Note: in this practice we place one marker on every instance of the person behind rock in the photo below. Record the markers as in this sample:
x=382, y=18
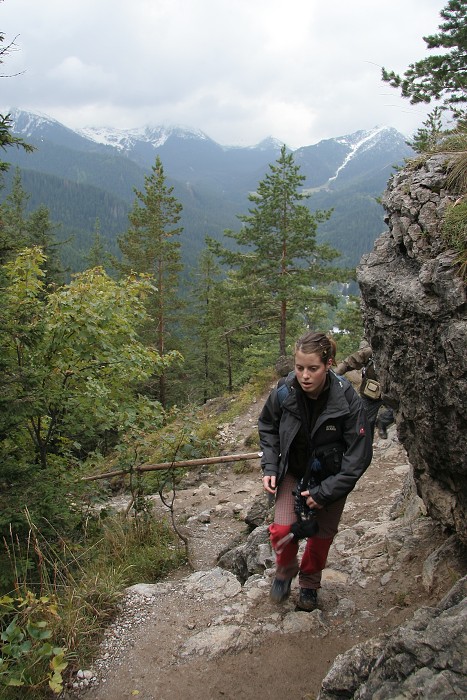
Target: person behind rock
x=384, y=420
x=363, y=359
x=315, y=438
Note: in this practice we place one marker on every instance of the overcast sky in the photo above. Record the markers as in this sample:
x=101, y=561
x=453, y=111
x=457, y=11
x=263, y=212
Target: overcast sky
x=239, y=70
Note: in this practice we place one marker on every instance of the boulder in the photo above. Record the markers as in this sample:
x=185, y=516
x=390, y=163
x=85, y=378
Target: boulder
x=422, y=659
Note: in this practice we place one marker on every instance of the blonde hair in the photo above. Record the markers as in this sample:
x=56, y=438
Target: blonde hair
x=317, y=343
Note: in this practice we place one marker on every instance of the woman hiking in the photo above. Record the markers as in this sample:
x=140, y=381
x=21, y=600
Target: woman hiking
x=316, y=444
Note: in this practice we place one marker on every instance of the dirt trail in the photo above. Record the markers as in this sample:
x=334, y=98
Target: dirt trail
x=154, y=650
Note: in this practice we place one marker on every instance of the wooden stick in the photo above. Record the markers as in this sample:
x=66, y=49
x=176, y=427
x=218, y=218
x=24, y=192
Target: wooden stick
x=176, y=465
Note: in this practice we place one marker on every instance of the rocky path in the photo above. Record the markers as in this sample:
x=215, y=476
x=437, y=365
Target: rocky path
x=203, y=635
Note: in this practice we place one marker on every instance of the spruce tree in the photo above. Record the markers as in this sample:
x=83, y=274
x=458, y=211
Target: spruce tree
x=202, y=328
x=14, y=229
x=215, y=328
x=151, y=246
x=98, y=255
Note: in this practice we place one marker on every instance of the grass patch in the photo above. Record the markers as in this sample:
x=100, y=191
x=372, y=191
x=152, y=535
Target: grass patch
x=454, y=233
x=145, y=551
x=243, y=467
x=76, y=596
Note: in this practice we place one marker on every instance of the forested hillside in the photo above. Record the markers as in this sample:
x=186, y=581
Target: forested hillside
x=212, y=183
x=110, y=365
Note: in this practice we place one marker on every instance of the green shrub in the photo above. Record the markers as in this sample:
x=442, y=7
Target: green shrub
x=29, y=660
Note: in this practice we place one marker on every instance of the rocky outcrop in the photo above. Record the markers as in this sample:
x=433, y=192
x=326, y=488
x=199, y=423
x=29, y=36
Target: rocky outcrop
x=414, y=305
x=422, y=659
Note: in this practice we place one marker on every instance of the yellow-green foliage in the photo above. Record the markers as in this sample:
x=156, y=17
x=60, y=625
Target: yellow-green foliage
x=455, y=233
x=192, y=433
x=457, y=173
x=146, y=549
x=29, y=659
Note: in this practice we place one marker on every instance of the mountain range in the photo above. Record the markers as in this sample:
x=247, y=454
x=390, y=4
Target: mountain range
x=90, y=174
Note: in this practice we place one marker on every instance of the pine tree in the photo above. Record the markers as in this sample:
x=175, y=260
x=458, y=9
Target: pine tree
x=150, y=246
x=98, y=256
x=279, y=264
x=202, y=326
x=41, y=233
x=214, y=330
x=442, y=77
x=427, y=137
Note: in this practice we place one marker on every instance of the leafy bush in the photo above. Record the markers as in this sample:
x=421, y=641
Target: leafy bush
x=29, y=660
x=55, y=620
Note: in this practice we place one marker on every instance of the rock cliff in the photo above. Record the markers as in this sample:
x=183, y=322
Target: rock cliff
x=414, y=305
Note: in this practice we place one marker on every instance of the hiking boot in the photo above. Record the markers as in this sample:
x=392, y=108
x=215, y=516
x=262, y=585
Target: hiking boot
x=280, y=590
x=382, y=432
x=308, y=599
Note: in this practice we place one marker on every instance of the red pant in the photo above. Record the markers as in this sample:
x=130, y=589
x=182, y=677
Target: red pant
x=316, y=549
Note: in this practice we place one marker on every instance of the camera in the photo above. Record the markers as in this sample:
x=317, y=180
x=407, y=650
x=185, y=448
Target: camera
x=306, y=525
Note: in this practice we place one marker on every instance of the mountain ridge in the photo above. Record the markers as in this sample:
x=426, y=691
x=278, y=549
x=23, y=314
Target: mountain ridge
x=212, y=182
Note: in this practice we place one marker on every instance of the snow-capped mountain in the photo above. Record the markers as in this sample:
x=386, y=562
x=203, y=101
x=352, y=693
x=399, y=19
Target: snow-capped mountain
x=333, y=162
x=212, y=182
x=357, y=143
x=126, y=140
x=189, y=154
x=39, y=127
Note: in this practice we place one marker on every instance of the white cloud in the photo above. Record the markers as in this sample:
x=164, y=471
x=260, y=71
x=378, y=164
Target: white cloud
x=300, y=70
x=73, y=74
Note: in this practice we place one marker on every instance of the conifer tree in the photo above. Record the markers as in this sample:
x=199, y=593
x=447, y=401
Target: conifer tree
x=202, y=325
x=279, y=265
x=6, y=137
x=41, y=233
x=14, y=230
x=214, y=325
x=151, y=246
x=443, y=76
x=98, y=255
x=20, y=229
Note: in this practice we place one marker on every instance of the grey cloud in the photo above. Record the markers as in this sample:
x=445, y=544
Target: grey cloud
x=240, y=71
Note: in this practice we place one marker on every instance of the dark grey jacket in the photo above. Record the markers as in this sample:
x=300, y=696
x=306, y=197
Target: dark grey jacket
x=343, y=416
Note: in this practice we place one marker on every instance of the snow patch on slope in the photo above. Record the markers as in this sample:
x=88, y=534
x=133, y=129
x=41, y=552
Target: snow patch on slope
x=357, y=143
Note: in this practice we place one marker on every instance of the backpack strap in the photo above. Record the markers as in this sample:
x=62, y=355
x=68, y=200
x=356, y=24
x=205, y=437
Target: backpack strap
x=282, y=393
x=284, y=388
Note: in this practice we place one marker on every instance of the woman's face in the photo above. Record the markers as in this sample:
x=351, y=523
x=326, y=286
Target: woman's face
x=311, y=371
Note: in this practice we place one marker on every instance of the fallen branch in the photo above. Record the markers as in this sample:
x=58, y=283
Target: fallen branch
x=175, y=465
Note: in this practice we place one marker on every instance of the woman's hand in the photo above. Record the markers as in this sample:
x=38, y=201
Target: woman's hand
x=311, y=503
x=269, y=483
